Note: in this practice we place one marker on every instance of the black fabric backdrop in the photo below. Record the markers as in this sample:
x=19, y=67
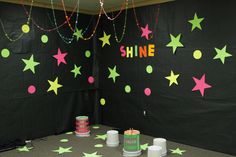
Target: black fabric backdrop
x=25, y=116
x=175, y=112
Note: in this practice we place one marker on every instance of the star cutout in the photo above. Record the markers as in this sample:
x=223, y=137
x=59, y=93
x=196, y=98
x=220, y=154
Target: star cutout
x=177, y=151
x=175, y=43
x=145, y=32
x=24, y=149
x=69, y=133
x=30, y=64
x=96, y=127
x=144, y=146
x=78, y=34
x=62, y=150
x=222, y=54
x=196, y=22
x=92, y=155
x=105, y=39
x=172, y=78
x=54, y=86
x=102, y=137
x=76, y=70
x=113, y=73
x=201, y=85
x=60, y=57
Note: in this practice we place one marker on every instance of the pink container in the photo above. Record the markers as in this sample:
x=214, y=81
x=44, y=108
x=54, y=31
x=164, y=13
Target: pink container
x=82, y=125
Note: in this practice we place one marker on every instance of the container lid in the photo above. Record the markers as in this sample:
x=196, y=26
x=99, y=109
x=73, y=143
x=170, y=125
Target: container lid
x=131, y=132
x=82, y=118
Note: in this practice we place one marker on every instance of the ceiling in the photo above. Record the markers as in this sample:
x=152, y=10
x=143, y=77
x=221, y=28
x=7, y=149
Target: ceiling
x=87, y=6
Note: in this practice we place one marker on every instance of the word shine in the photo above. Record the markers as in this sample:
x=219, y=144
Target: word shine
x=137, y=51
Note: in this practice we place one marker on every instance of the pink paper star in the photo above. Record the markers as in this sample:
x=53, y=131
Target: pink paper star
x=60, y=57
x=145, y=31
x=201, y=85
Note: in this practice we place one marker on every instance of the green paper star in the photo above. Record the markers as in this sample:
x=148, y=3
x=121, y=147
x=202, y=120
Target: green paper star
x=96, y=127
x=30, y=64
x=62, y=150
x=92, y=155
x=102, y=137
x=144, y=146
x=64, y=140
x=175, y=43
x=69, y=133
x=98, y=145
x=113, y=73
x=196, y=22
x=177, y=151
x=105, y=39
x=54, y=86
x=222, y=54
x=172, y=78
x=78, y=34
x=76, y=70
x=24, y=149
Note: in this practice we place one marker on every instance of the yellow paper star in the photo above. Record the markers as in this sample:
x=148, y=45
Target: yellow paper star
x=172, y=78
x=105, y=39
x=54, y=85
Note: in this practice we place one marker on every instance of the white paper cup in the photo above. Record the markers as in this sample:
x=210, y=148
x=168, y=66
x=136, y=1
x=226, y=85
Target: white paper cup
x=161, y=142
x=154, y=151
x=112, y=138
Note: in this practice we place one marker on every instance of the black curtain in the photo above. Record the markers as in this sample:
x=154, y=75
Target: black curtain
x=26, y=116
x=174, y=112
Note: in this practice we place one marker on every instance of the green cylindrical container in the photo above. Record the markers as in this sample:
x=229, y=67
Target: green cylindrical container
x=131, y=140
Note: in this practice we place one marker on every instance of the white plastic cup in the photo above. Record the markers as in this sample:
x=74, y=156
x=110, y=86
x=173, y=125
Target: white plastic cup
x=112, y=138
x=154, y=151
x=161, y=142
